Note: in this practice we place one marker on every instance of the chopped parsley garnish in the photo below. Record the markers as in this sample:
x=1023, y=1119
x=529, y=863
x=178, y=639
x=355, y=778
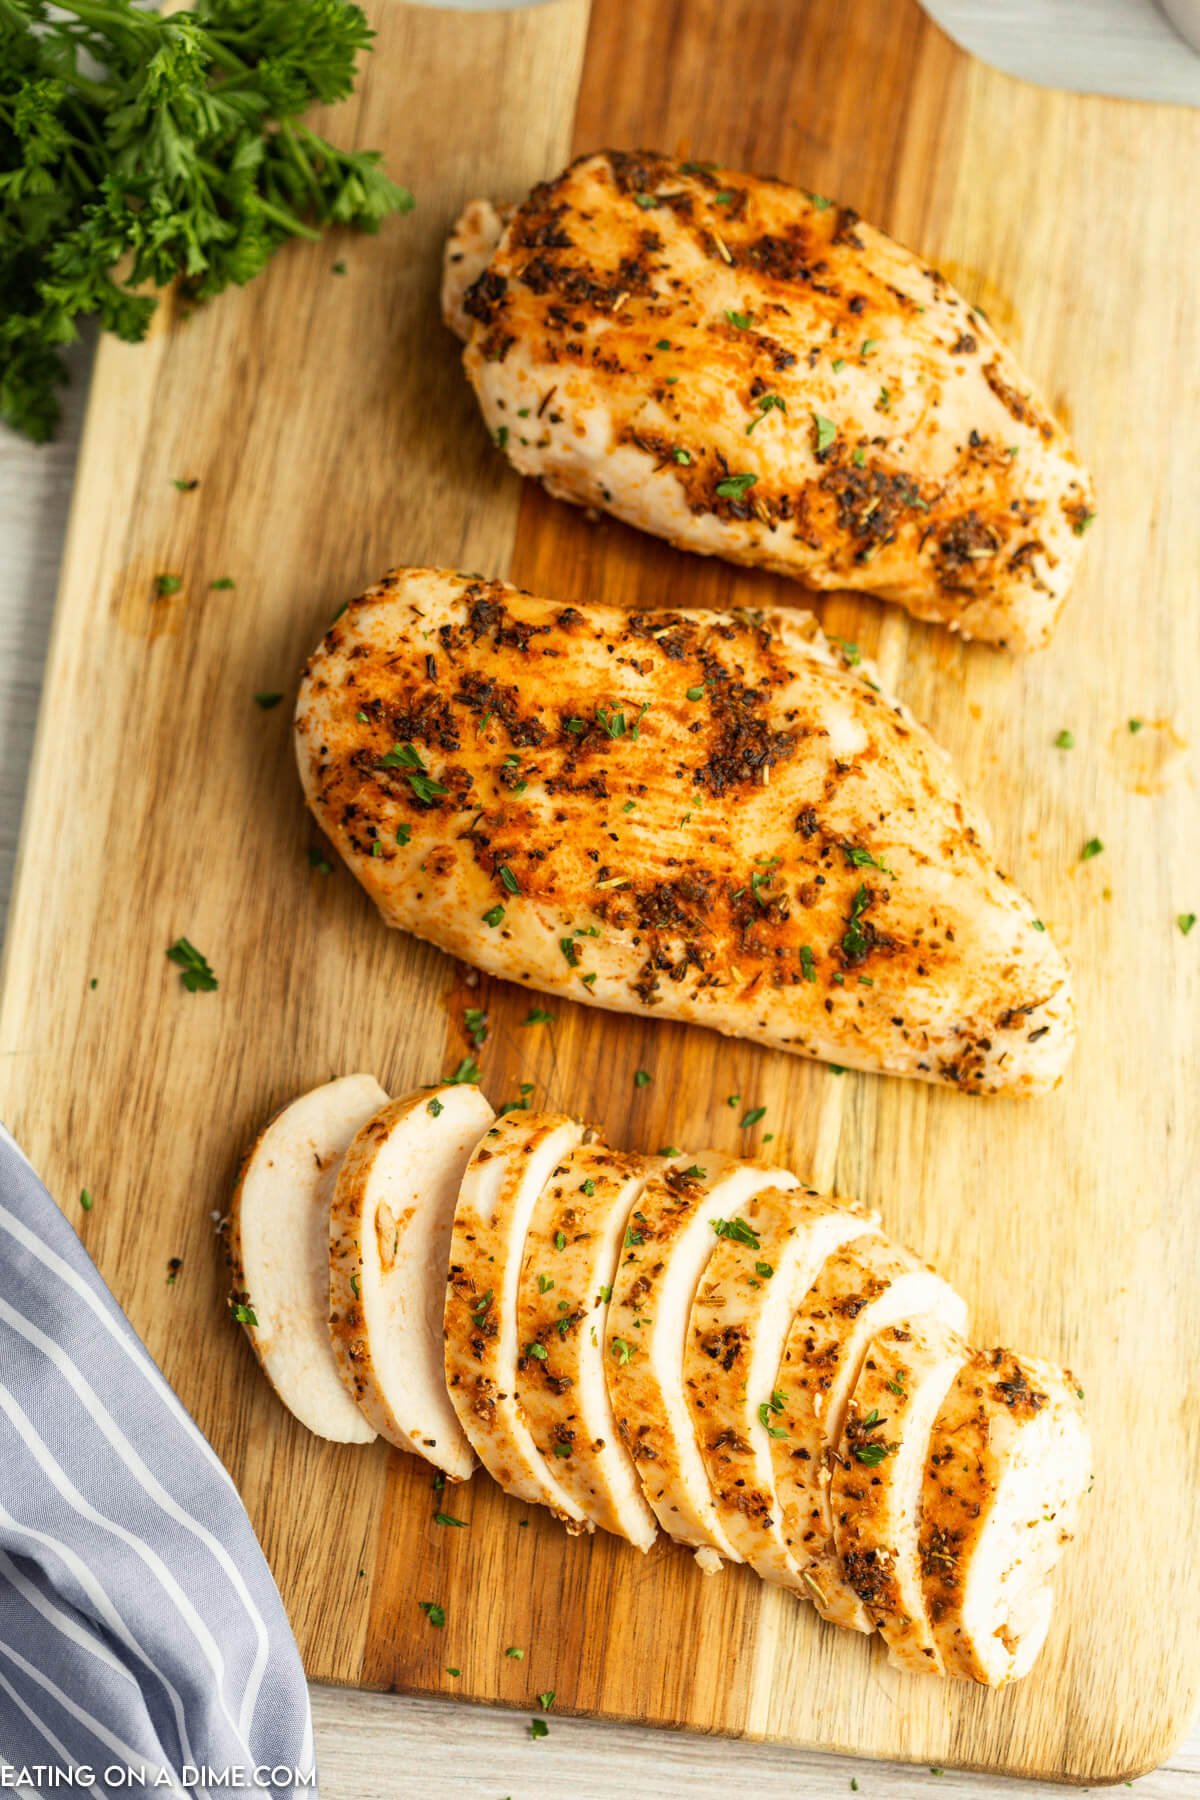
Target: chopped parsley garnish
x=868, y=344
x=738, y=1230
x=538, y=1350
x=242, y=1311
x=1093, y=847
x=753, y=1116
x=774, y=1405
x=166, y=585
x=871, y=1455
x=696, y=693
x=851, y=652
x=507, y=878
x=441, y=1518
x=319, y=861
x=1081, y=525
x=839, y=363
x=1065, y=741
x=622, y=1351
x=222, y=582
x=187, y=484
x=808, y=967
x=475, y=1020
x=854, y=940
x=825, y=430
x=858, y=858
x=739, y=320
x=768, y=403
x=433, y=1612
x=641, y=1078
x=663, y=344
x=560, y=1240
x=646, y=200
x=859, y=459
x=502, y=437
x=765, y=1269
x=408, y=757
x=516, y=1654
x=538, y=1728
x=493, y=916
x=197, y=976
x=1136, y=725
x=1037, y=925
x=537, y=1015
x=734, y=486
x=545, y=1285
x=86, y=1201
x=466, y=1073
x=546, y=1700
x=435, y=1108
x=669, y=1150
x=267, y=701
x=403, y=834
x=681, y=455
x=1185, y=921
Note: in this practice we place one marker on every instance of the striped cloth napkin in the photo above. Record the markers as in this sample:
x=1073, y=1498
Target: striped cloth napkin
x=143, y=1644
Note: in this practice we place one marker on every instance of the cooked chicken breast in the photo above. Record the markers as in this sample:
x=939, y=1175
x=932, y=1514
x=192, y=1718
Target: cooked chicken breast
x=756, y=1277
x=571, y=1254
x=861, y=1289
x=278, y=1248
x=499, y=1192
x=389, y=1247
x=673, y=1231
x=752, y=372
x=1009, y=1463
x=877, y=1477
x=703, y=816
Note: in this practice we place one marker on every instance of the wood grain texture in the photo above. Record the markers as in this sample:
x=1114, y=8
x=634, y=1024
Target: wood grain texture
x=332, y=435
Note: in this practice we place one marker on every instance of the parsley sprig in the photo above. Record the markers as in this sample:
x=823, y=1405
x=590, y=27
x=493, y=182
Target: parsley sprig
x=137, y=149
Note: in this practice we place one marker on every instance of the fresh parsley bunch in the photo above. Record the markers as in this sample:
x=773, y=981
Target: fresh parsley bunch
x=136, y=149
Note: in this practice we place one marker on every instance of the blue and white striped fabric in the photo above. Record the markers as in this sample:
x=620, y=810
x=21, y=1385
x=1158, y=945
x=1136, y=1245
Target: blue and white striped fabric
x=143, y=1644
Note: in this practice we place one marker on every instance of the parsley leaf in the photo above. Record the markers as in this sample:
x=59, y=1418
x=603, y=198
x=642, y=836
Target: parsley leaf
x=197, y=976
x=144, y=148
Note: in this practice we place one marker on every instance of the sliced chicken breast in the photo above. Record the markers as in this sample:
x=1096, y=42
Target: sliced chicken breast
x=1009, y=1464
x=279, y=1251
x=571, y=1252
x=756, y=1277
x=499, y=1193
x=862, y=1289
x=389, y=1248
x=751, y=371
x=681, y=1216
x=698, y=816
x=877, y=1479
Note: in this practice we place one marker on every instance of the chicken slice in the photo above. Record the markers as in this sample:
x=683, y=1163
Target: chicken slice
x=1009, y=1464
x=279, y=1251
x=877, y=1481
x=704, y=816
x=571, y=1253
x=672, y=1233
x=755, y=1279
x=497, y=1199
x=752, y=372
x=862, y=1289
x=389, y=1246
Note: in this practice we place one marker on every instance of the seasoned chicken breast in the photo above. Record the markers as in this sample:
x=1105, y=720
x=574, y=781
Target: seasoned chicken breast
x=756, y=1277
x=572, y=1249
x=751, y=371
x=877, y=1476
x=709, y=817
x=862, y=1288
x=278, y=1248
x=389, y=1245
x=672, y=1234
x=496, y=1200
x=1008, y=1466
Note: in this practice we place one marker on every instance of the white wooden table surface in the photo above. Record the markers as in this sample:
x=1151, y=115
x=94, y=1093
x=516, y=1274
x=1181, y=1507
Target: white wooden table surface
x=388, y=1747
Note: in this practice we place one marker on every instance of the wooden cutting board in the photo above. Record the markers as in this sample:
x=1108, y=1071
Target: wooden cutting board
x=332, y=435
